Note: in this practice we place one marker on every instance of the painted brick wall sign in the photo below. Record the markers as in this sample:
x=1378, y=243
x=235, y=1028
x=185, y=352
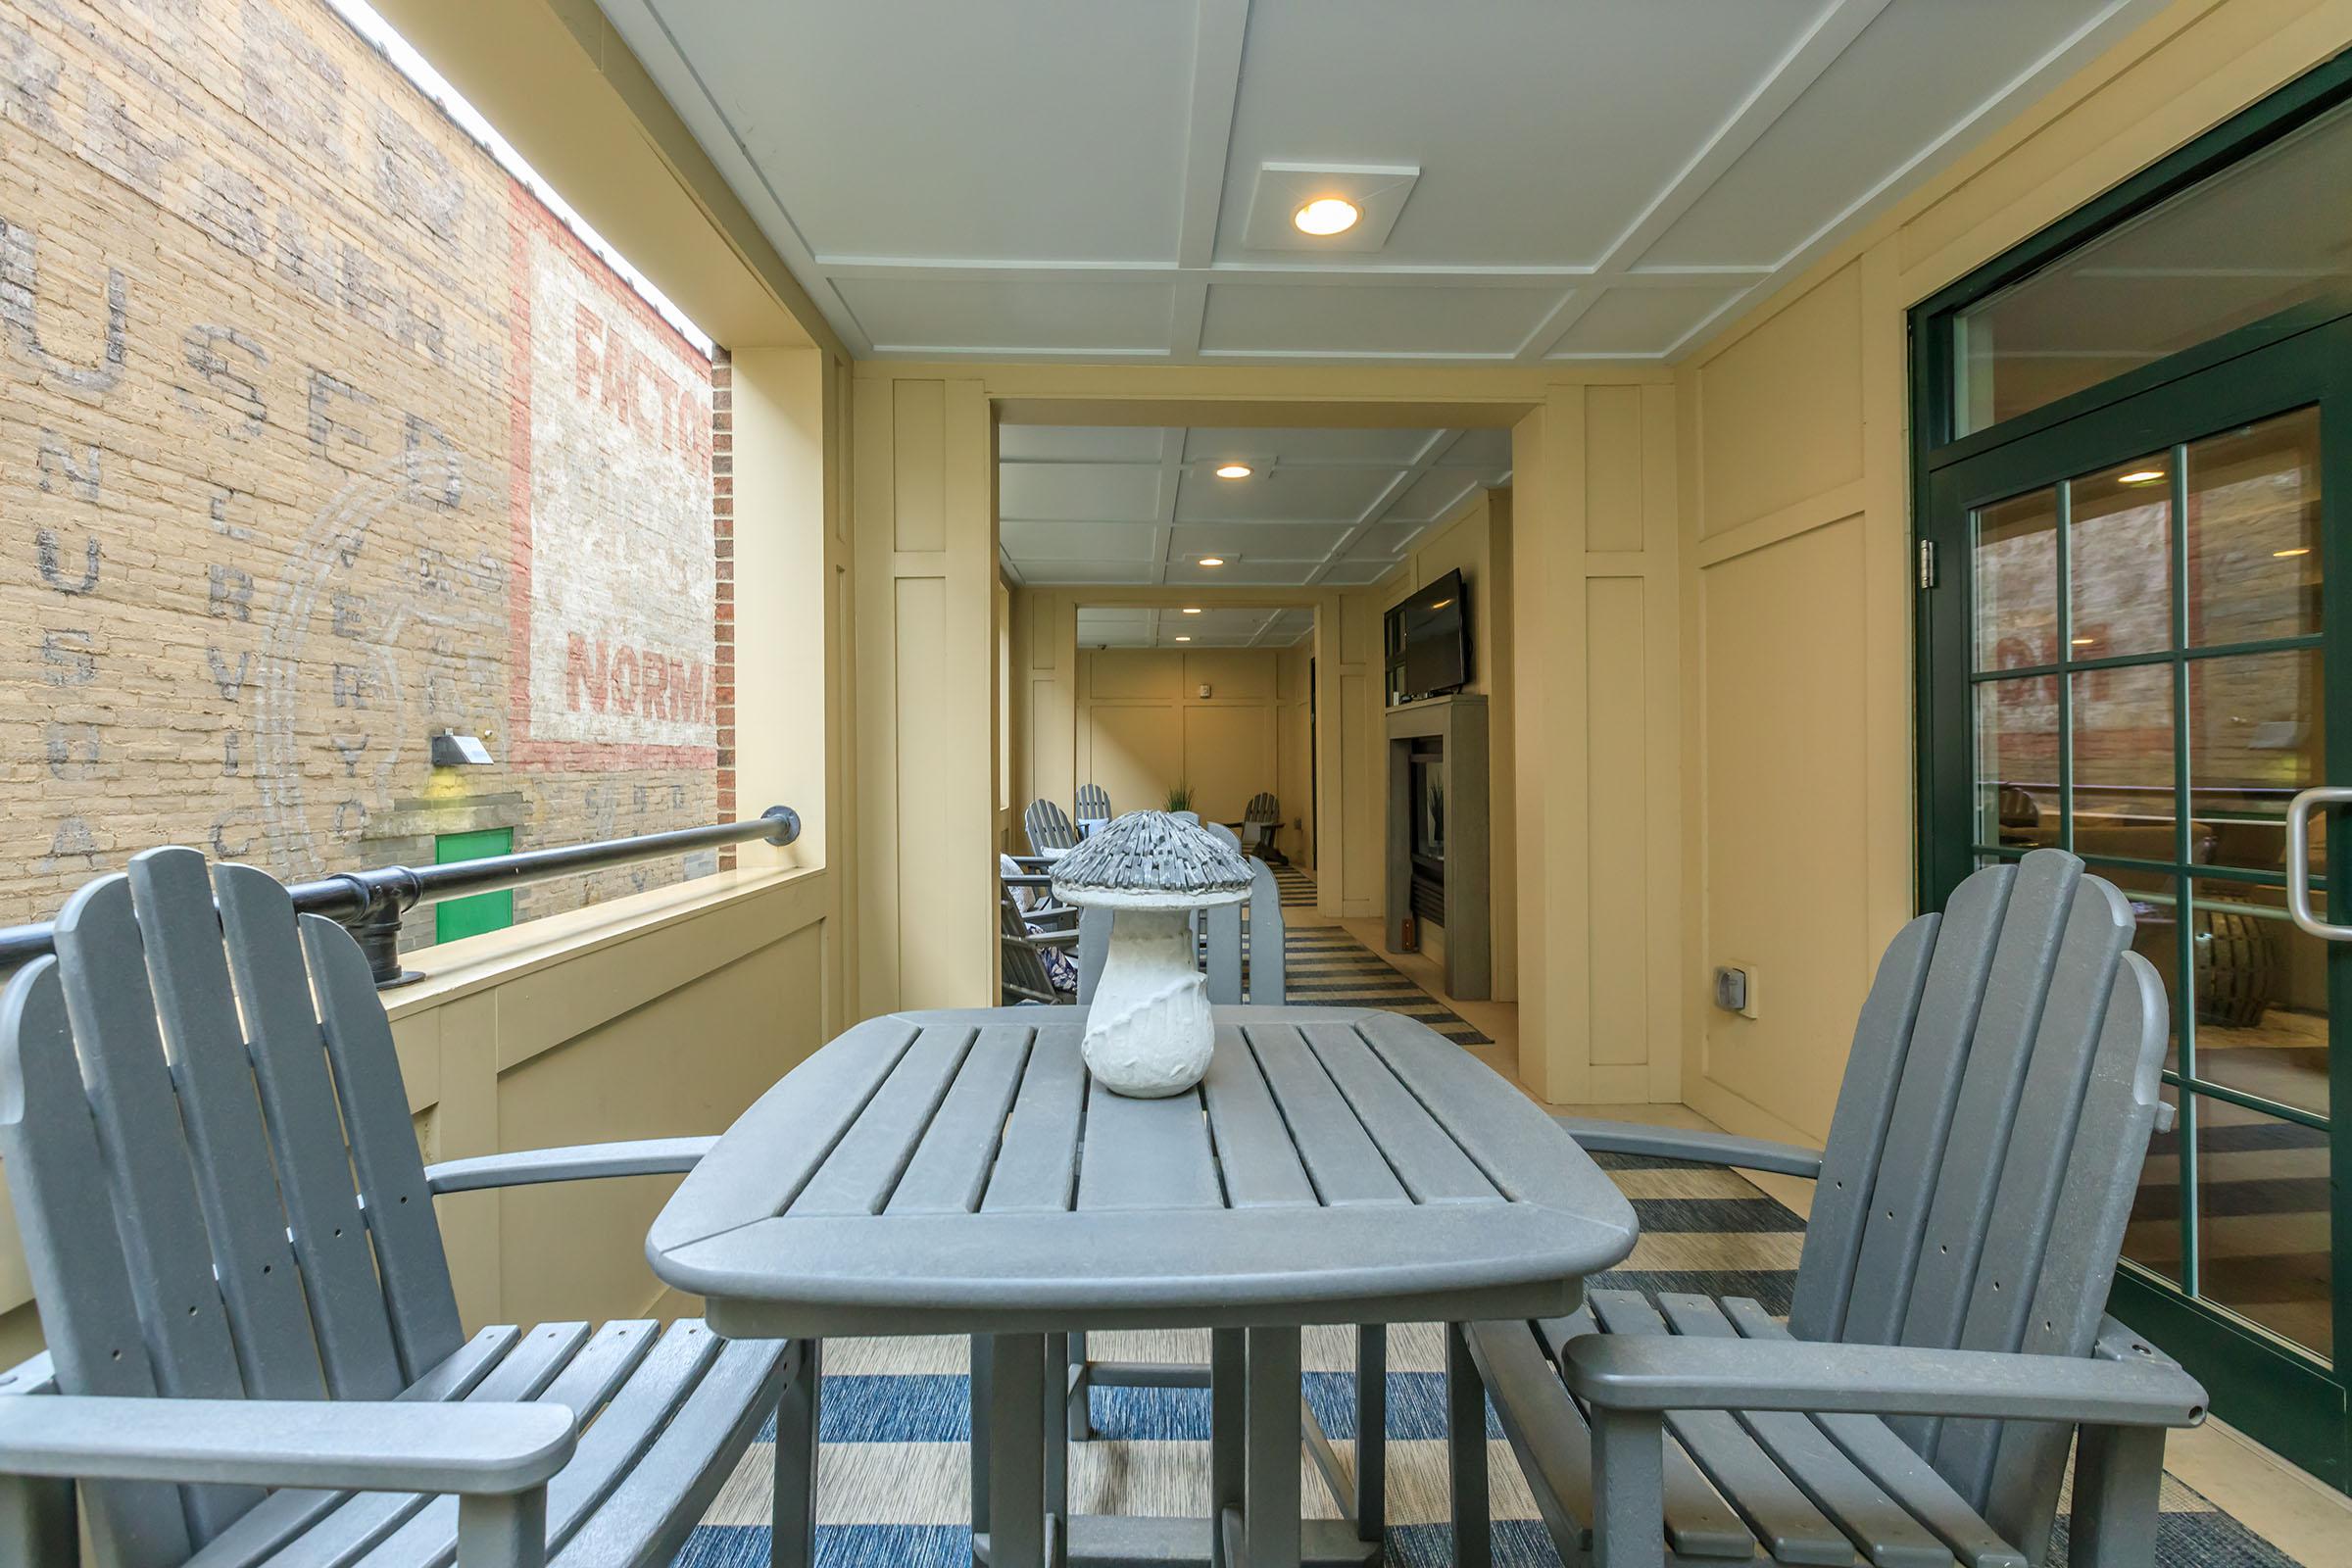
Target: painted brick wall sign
x=319, y=434
x=614, y=569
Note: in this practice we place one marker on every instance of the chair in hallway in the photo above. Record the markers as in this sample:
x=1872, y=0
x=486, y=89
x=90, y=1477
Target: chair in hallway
x=1094, y=804
x=254, y=1346
x=1947, y=1339
x=1034, y=945
x=1051, y=831
x=1260, y=820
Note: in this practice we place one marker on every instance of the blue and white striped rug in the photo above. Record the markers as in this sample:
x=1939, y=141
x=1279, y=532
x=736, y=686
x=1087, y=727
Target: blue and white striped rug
x=894, y=1472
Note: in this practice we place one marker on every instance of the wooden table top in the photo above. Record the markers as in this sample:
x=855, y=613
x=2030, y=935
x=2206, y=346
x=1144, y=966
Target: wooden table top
x=959, y=1172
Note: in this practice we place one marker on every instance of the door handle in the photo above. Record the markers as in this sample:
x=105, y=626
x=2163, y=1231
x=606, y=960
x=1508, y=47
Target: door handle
x=2298, y=861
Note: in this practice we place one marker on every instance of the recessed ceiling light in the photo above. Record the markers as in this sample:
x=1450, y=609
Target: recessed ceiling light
x=1184, y=639
x=1326, y=216
x=1212, y=560
x=1192, y=610
x=2142, y=476
x=2299, y=550
x=1233, y=470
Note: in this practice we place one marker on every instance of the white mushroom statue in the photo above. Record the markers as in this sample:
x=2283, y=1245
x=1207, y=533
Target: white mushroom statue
x=1148, y=1031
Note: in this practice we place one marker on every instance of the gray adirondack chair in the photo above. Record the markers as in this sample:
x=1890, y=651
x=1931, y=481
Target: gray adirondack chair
x=1024, y=976
x=1259, y=820
x=1947, y=1337
x=1094, y=804
x=229, y=1311
x=1050, y=830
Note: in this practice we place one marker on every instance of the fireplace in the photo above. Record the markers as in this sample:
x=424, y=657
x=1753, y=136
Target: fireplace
x=1428, y=848
x=1436, y=849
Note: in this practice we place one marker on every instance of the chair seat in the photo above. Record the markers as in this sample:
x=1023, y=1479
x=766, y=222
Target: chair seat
x=664, y=1415
x=1797, y=1487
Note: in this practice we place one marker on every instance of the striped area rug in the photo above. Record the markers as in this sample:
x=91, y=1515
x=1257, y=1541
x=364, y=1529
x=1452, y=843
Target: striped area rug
x=1326, y=967
x=1296, y=887
x=894, y=1473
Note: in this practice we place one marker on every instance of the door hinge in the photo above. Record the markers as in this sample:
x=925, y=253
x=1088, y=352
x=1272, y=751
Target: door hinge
x=1927, y=562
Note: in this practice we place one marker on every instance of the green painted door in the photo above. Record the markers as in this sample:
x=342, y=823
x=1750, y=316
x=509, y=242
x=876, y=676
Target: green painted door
x=481, y=912
x=2137, y=647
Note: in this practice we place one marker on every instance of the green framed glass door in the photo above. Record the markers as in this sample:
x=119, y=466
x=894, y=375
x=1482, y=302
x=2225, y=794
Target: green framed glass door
x=2136, y=648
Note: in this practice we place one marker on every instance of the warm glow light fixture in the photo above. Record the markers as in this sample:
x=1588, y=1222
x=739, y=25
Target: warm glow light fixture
x=1212, y=560
x=1192, y=610
x=2085, y=642
x=2142, y=477
x=1326, y=216
x=1233, y=470
x=2299, y=550
x=1184, y=639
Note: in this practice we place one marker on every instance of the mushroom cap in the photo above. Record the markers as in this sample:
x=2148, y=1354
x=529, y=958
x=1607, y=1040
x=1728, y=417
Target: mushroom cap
x=1150, y=860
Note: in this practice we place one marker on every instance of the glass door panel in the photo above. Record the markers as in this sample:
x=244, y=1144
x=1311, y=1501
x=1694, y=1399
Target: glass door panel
x=2263, y=1231
x=2145, y=684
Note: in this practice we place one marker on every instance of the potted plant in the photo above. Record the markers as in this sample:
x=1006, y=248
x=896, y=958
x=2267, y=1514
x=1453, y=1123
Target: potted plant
x=1180, y=797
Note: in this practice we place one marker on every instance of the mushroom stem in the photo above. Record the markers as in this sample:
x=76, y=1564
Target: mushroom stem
x=1147, y=1030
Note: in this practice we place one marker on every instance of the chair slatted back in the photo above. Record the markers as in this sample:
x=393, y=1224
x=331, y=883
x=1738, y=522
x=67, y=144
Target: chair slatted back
x=1263, y=973
x=185, y=1097
x=1984, y=1151
x=1222, y=932
x=1263, y=810
x=1050, y=827
x=1023, y=968
x=1094, y=803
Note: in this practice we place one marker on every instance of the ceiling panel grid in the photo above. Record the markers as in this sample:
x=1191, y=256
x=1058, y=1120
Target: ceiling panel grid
x=1541, y=181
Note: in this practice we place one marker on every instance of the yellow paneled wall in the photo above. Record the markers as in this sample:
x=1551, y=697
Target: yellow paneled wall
x=1477, y=541
x=1143, y=725
x=1596, y=759
x=1796, y=589
x=925, y=535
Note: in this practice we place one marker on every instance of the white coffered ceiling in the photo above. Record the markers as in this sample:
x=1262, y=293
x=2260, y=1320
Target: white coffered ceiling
x=1130, y=626
x=1581, y=178
x=1096, y=504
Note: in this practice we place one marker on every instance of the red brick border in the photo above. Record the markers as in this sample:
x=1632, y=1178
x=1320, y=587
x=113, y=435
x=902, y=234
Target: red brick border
x=722, y=546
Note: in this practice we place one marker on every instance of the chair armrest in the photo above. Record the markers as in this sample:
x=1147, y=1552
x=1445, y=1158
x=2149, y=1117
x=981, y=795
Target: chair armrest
x=648, y=1156
x=1054, y=939
x=1700, y=1149
x=34, y=1375
x=1626, y=1372
x=333, y=1444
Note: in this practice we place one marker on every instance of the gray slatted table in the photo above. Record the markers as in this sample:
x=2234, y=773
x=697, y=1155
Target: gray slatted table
x=958, y=1172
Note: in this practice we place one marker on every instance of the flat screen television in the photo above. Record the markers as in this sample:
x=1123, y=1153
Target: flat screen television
x=1428, y=641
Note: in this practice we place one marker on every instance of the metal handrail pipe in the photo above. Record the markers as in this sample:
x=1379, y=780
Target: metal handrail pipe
x=370, y=904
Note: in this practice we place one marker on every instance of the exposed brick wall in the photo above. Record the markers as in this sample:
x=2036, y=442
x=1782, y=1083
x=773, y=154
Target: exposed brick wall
x=317, y=435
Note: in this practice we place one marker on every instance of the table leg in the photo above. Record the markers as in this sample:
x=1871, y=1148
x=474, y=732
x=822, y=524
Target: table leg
x=1056, y=1415
x=792, y=1541
x=1015, y=1415
x=1270, y=1531
x=980, y=1404
x=1466, y=1451
x=1228, y=1386
x=1081, y=1413
x=1371, y=1430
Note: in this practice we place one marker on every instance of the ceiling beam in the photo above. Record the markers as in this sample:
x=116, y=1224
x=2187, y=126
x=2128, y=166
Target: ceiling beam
x=1171, y=481
x=1832, y=32
x=1436, y=446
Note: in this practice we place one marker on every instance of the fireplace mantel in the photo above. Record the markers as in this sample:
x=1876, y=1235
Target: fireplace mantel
x=1459, y=723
